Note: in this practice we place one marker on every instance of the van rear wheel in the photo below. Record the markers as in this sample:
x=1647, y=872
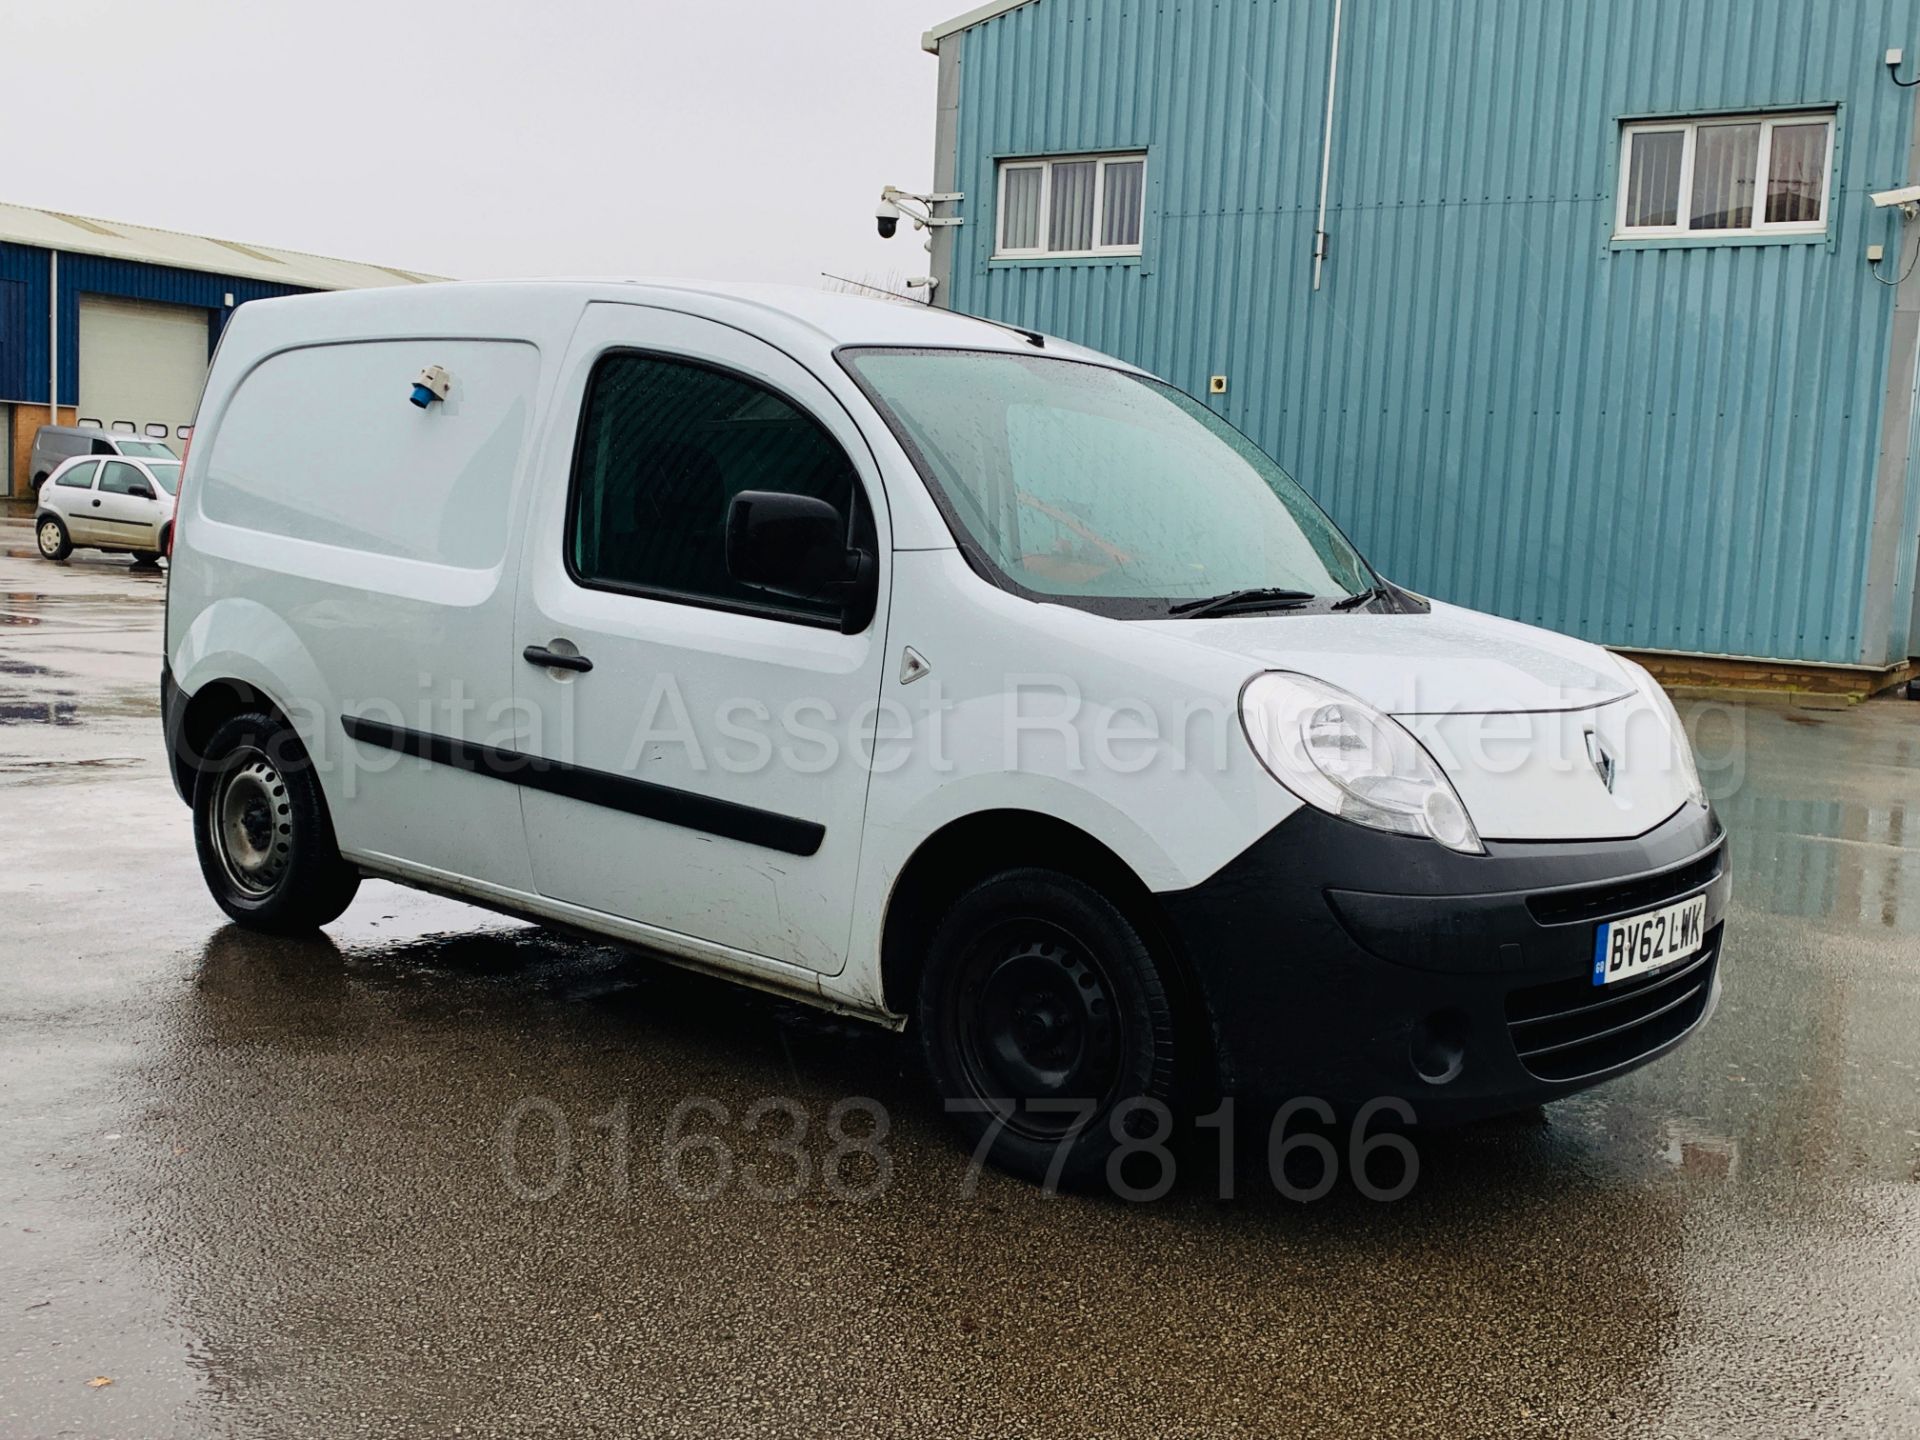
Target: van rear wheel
x=1046, y=1026
x=261, y=826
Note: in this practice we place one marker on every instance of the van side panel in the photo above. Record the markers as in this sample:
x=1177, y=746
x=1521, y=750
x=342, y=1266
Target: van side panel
x=323, y=444
x=376, y=534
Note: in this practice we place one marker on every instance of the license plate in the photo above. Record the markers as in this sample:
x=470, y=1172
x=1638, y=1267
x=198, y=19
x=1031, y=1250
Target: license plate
x=1625, y=948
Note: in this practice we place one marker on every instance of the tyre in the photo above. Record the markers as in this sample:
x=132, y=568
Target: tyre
x=1042, y=1014
x=261, y=826
x=149, y=558
x=50, y=533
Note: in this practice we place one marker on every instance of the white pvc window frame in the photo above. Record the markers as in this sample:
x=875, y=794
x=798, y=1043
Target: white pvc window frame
x=1689, y=127
x=1044, y=164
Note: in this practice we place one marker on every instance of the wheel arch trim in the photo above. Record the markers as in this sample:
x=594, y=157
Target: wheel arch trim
x=967, y=848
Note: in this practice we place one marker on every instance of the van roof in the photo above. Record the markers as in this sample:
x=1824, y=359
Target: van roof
x=95, y=432
x=792, y=315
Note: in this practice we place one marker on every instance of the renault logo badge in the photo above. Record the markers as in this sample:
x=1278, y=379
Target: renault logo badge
x=1602, y=760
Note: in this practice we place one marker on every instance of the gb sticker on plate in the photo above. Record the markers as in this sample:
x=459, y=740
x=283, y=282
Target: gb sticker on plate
x=1625, y=948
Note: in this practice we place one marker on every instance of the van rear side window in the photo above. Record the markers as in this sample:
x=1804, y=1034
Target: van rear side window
x=665, y=445
x=322, y=444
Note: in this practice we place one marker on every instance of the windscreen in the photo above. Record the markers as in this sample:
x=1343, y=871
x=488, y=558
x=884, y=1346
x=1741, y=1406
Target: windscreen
x=144, y=449
x=166, y=473
x=1091, y=485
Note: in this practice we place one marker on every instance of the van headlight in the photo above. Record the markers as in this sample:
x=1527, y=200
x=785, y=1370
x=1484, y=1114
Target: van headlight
x=1340, y=755
x=1663, y=706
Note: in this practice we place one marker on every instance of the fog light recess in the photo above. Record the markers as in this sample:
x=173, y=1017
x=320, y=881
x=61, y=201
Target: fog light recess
x=1439, y=1047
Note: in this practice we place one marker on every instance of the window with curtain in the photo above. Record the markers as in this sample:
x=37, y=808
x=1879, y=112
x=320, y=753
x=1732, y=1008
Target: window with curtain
x=1072, y=205
x=1719, y=176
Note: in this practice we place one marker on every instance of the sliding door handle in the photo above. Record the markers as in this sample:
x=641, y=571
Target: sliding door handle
x=540, y=655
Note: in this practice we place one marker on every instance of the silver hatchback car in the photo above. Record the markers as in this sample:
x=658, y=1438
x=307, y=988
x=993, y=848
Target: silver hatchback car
x=115, y=503
x=55, y=443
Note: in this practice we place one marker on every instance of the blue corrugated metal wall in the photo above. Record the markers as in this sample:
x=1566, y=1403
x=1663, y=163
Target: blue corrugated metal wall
x=1669, y=447
x=23, y=309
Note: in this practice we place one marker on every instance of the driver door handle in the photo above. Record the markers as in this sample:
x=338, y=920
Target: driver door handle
x=540, y=655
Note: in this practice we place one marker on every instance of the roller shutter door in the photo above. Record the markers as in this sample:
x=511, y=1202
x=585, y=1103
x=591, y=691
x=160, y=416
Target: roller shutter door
x=141, y=362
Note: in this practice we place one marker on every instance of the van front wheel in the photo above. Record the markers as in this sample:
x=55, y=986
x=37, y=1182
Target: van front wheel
x=261, y=826
x=1047, y=1027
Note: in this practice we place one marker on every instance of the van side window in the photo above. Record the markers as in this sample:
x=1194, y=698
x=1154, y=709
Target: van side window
x=104, y=447
x=80, y=477
x=665, y=445
x=120, y=478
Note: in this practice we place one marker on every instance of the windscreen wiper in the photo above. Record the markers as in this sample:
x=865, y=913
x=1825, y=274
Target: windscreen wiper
x=1258, y=598
x=1372, y=592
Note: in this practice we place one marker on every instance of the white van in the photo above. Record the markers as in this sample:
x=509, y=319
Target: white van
x=923, y=669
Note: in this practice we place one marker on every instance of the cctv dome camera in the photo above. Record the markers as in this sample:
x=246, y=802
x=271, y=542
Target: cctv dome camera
x=886, y=219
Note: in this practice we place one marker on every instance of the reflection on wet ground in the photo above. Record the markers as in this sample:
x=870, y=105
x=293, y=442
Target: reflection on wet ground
x=1818, y=855
x=294, y=1188
x=36, y=712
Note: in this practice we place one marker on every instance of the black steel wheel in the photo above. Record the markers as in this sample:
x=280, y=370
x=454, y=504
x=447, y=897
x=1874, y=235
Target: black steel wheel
x=1041, y=1012
x=261, y=826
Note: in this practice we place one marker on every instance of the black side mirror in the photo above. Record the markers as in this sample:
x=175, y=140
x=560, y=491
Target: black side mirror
x=795, y=545
x=140, y=492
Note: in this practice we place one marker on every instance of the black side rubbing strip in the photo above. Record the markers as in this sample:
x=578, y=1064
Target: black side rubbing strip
x=765, y=828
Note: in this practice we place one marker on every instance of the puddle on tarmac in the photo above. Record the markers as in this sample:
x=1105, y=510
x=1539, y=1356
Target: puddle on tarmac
x=39, y=771
x=1826, y=860
x=38, y=712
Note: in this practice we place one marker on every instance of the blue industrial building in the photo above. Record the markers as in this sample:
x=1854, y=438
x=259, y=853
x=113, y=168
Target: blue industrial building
x=1567, y=309
x=132, y=315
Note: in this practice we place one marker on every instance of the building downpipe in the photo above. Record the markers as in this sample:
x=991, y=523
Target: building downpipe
x=53, y=337
x=1326, y=148
x=946, y=164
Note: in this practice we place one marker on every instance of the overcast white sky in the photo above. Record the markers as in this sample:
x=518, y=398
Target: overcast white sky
x=728, y=139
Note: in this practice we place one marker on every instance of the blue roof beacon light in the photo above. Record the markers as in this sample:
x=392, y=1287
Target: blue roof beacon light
x=429, y=385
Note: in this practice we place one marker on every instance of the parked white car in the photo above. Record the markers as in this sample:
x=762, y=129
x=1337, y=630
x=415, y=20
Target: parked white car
x=114, y=503
x=926, y=670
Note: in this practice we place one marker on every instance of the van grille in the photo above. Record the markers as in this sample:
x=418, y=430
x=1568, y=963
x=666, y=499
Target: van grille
x=1597, y=902
x=1574, y=1029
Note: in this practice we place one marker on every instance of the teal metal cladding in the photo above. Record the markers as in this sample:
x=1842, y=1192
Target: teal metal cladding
x=1671, y=446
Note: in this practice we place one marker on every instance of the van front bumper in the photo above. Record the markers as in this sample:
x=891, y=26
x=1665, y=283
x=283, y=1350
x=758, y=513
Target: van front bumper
x=1348, y=964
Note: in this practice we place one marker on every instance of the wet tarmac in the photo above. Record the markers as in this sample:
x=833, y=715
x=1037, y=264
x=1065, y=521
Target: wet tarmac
x=411, y=1179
